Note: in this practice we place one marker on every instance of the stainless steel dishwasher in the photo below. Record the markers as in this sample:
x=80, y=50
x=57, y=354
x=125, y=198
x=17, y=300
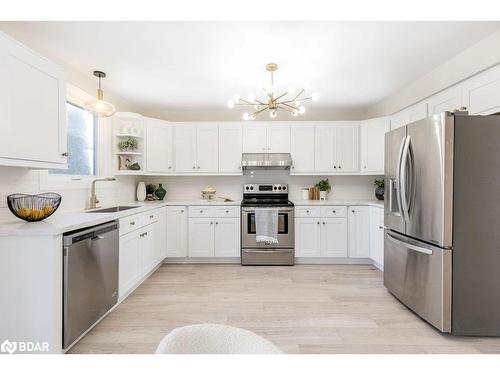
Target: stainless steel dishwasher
x=90, y=277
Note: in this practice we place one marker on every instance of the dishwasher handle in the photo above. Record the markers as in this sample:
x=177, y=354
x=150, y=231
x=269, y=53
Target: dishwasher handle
x=92, y=233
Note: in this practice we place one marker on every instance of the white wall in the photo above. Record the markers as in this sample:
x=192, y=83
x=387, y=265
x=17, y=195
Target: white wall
x=343, y=187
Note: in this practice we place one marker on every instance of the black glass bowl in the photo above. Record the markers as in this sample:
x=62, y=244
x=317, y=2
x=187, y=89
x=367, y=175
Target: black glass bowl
x=33, y=207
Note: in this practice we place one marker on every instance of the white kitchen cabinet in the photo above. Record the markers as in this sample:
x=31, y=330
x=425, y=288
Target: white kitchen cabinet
x=337, y=148
x=302, y=148
x=159, y=146
x=325, y=148
x=377, y=236
x=359, y=231
x=481, y=93
x=269, y=137
x=201, y=237
x=227, y=237
x=447, y=100
x=372, y=144
x=148, y=245
x=408, y=115
x=196, y=148
x=32, y=108
x=334, y=237
x=176, y=232
x=161, y=237
x=129, y=262
x=347, y=148
x=308, y=237
x=230, y=148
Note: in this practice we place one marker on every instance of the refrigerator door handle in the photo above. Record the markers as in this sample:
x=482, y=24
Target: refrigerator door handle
x=409, y=246
x=398, y=177
x=403, y=188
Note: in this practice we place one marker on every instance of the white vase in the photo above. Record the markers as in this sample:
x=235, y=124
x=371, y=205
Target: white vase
x=322, y=195
x=141, y=191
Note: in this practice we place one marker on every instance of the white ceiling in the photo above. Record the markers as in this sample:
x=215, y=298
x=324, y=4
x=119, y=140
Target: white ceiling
x=199, y=65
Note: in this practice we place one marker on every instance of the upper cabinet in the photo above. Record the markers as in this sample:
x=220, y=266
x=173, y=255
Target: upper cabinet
x=372, y=144
x=301, y=148
x=269, y=137
x=32, y=108
x=414, y=113
x=230, y=148
x=447, y=100
x=196, y=148
x=159, y=146
x=337, y=147
x=481, y=93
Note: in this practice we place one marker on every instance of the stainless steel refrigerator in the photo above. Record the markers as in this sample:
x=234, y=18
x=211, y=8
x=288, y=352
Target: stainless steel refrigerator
x=442, y=219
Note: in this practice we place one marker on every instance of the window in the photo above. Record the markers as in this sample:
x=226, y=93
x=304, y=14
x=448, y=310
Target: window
x=81, y=142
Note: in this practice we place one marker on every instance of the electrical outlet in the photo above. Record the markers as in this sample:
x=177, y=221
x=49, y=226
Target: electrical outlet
x=3, y=200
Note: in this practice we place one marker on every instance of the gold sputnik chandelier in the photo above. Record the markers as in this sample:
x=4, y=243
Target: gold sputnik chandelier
x=290, y=101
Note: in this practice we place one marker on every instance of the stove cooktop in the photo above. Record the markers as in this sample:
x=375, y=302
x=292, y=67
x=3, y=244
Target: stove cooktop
x=266, y=202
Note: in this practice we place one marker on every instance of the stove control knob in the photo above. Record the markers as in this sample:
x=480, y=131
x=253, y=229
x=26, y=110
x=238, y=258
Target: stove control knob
x=251, y=187
x=284, y=187
x=246, y=187
x=274, y=187
x=279, y=187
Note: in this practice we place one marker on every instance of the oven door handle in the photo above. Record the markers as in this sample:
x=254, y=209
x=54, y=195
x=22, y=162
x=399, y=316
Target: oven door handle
x=268, y=251
x=252, y=209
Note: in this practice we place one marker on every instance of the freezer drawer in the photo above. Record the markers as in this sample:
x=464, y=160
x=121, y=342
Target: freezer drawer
x=419, y=275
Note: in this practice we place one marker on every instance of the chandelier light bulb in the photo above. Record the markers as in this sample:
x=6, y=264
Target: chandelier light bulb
x=257, y=107
x=295, y=113
x=291, y=90
x=273, y=113
x=246, y=116
x=230, y=103
x=302, y=109
x=315, y=97
x=236, y=98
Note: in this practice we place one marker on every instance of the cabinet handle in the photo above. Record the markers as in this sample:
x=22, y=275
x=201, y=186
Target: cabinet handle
x=334, y=211
x=65, y=154
x=353, y=211
x=307, y=211
x=132, y=223
x=216, y=223
x=319, y=223
x=364, y=167
x=169, y=167
x=182, y=210
x=201, y=211
x=198, y=167
x=227, y=211
x=335, y=167
x=194, y=167
x=340, y=167
x=211, y=223
x=146, y=233
x=323, y=223
x=151, y=216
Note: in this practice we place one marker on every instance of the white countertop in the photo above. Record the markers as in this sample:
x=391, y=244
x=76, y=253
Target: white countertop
x=341, y=202
x=68, y=221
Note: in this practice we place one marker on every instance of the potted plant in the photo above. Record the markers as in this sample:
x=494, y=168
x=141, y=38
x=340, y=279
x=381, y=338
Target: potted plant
x=324, y=188
x=129, y=144
x=380, y=187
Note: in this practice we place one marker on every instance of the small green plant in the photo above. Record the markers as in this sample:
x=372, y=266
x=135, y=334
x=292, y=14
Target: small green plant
x=134, y=167
x=150, y=188
x=379, y=182
x=128, y=144
x=324, y=185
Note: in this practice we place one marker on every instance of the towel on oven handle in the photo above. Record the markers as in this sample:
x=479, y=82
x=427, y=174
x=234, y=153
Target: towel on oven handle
x=266, y=225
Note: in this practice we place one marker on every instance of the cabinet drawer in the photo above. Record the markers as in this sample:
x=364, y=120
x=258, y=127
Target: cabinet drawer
x=229, y=211
x=150, y=217
x=307, y=211
x=201, y=211
x=130, y=223
x=334, y=211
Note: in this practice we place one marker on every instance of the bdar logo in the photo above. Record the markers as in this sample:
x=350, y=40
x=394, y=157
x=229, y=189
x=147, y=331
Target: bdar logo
x=8, y=347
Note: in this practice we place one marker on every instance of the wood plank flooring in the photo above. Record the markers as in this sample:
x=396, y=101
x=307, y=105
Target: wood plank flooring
x=301, y=309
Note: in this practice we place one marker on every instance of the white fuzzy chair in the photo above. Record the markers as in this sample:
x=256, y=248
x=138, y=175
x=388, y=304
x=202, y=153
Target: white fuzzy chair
x=214, y=339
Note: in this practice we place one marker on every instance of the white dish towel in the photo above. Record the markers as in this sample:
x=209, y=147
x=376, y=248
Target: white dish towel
x=266, y=225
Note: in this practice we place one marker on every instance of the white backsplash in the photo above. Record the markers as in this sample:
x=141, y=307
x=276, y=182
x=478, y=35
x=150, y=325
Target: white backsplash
x=21, y=180
x=343, y=187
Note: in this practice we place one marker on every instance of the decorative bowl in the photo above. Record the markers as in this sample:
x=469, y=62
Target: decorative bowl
x=33, y=207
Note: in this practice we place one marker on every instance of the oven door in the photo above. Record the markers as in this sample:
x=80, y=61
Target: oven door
x=286, y=233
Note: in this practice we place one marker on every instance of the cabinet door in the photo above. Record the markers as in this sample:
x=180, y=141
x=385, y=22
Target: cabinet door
x=129, y=262
x=185, y=148
x=372, y=144
x=359, y=231
x=334, y=237
x=161, y=235
x=227, y=237
x=482, y=92
x=377, y=236
x=302, y=148
x=325, y=148
x=254, y=138
x=148, y=245
x=347, y=148
x=32, y=107
x=159, y=146
x=207, y=148
x=176, y=232
x=448, y=100
x=278, y=138
x=201, y=237
x=230, y=148
x=307, y=237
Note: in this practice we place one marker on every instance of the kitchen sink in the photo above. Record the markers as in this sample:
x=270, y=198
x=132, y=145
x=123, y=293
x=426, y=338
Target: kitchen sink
x=113, y=209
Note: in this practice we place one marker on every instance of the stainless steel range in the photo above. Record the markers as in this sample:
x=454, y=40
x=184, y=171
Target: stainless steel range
x=257, y=253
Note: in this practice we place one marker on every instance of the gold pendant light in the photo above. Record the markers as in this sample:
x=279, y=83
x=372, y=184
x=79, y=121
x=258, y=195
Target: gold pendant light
x=99, y=107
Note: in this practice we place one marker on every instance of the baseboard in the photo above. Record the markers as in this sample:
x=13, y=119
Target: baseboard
x=237, y=260
x=333, y=261
x=188, y=260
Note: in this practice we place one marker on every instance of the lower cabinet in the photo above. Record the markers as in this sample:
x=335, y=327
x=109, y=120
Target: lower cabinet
x=201, y=237
x=359, y=231
x=214, y=237
x=334, y=237
x=377, y=236
x=307, y=237
x=176, y=232
x=227, y=237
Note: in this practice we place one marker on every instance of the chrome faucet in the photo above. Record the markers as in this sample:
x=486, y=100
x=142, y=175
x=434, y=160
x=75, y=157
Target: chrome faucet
x=93, y=197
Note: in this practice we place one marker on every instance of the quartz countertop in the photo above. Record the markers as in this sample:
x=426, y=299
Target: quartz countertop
x=69, y=221
x=341, y=202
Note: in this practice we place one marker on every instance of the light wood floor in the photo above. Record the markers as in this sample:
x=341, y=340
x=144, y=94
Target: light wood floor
x=301, y=309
